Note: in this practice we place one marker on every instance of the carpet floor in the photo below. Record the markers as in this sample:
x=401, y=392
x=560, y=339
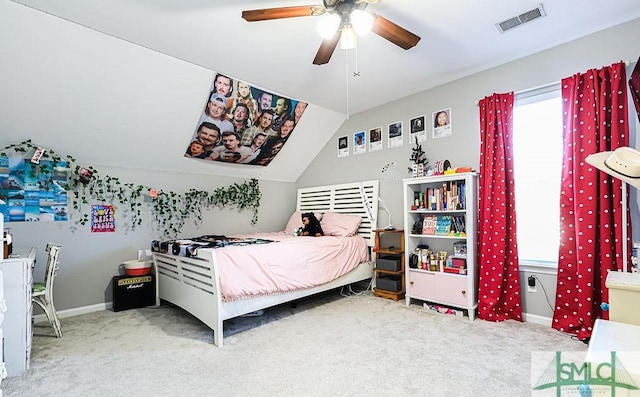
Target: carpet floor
x=326, y=345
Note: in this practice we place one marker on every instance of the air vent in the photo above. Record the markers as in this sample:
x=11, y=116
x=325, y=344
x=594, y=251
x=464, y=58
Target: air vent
x=521, y=19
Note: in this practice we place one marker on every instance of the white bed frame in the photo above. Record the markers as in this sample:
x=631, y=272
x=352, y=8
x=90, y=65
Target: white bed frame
x=194, y=284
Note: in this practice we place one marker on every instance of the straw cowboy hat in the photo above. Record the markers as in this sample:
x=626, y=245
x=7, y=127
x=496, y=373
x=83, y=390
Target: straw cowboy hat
x=622, y=163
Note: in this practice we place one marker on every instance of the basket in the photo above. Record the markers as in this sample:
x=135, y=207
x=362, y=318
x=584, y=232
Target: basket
x=137, y=268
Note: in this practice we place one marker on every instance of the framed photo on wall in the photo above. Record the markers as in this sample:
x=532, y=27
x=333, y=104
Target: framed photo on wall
x=375, y=139
x=359, y=142
x=395, y=134
x=418, y=129
x=343, y=146
x=441, y=123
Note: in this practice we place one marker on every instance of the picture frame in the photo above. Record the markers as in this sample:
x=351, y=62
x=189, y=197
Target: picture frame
x=418, y=128
x=375, y=139
x=359, y=142
x=343, y=146
x=394, y=134
x=441, y=122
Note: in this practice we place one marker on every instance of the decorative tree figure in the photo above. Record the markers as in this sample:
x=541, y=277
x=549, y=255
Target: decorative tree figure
x=418, y=156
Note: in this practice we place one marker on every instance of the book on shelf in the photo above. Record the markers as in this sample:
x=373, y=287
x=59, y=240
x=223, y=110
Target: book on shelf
x=458, y=227
x=443, y=225
x=446, y=197
x=429, y=224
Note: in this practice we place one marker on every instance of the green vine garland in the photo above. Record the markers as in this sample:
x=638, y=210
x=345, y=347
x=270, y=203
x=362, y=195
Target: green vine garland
x=169, y=210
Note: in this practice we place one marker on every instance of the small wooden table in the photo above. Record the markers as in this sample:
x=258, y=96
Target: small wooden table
x=394, y=252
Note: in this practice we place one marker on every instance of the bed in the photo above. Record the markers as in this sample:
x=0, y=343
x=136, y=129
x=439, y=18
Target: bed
x=194, y=282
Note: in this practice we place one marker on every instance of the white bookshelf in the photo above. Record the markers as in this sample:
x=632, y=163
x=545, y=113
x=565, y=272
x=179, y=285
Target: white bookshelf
x=434, y=285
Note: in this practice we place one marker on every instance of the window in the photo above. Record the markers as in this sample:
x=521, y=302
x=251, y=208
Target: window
x=537, y=157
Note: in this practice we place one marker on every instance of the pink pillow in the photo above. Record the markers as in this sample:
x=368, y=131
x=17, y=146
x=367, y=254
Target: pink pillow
x=336, y=224
x=295, y=221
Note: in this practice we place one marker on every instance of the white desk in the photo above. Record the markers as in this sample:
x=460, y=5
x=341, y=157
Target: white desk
x=18, y=280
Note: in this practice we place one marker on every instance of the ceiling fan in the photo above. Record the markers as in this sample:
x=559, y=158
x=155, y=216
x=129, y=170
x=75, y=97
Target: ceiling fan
x=343, y=18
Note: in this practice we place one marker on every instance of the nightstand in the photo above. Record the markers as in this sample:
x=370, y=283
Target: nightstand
x=389, y=264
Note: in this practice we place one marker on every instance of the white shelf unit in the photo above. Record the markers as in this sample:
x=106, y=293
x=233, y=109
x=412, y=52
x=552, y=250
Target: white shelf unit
x=3, y=309
x=438, y=287
x=16, y=327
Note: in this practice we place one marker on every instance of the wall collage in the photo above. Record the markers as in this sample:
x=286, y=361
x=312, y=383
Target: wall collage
x=440, y=128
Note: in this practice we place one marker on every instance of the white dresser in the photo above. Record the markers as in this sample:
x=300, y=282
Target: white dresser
x=16, y=327
x=3, y=309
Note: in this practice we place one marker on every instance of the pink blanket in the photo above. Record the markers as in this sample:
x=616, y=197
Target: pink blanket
x=286, y=265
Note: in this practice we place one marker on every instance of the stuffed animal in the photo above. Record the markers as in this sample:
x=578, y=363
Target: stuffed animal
x=311, y=225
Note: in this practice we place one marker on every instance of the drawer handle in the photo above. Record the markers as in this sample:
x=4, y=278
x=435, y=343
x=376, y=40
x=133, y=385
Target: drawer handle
x=463, y=292
x=411, y=282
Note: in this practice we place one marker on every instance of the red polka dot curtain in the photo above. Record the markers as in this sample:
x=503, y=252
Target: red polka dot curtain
x=499, y=281
x=634, y=87
x=595, y=119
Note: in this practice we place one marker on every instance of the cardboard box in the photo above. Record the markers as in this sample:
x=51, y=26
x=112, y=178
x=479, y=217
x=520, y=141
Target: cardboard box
x=459, y=262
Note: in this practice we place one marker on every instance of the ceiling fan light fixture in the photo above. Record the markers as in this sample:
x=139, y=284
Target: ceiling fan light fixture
x=348, y=38
x=361, y=21
x=328, y=25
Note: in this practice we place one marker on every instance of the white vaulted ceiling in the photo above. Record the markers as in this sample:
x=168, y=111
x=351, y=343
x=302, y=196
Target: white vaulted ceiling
x=459, y=38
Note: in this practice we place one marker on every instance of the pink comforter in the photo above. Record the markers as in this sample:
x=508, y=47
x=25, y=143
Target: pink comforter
x=289, y=264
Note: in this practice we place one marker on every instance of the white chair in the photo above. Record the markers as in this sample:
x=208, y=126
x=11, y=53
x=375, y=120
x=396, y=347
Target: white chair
x=43, y=292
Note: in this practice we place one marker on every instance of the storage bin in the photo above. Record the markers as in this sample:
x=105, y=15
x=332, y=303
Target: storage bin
x=390, y=263
x=389, y=283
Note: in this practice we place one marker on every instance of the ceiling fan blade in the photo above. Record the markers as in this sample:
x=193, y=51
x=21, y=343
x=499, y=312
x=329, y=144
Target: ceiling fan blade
x=278, y=13
x=326, y=49
x=394, y=33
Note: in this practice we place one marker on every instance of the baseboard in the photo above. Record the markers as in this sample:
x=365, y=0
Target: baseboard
x=536, y=319
x=42, y=318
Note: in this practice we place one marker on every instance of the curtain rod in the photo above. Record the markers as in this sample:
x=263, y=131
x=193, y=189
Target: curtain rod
x=626, y=63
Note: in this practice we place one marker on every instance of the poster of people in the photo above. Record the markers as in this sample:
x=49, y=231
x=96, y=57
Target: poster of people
x=343, y=146
x=103, y=219
x=359, y=143
x=375, y=139
x=441, y=123
x=33, y=192
x=243, y=124
x=418, y=129
x=395, y=134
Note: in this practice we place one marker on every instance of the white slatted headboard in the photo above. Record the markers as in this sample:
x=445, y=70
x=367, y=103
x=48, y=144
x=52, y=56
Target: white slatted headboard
x=345, y=198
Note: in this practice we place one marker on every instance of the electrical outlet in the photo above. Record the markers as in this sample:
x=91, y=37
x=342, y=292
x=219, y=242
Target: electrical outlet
x=531, y=284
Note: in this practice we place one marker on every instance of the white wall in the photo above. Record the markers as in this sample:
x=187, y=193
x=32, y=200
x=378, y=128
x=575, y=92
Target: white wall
x=462, y=148
x=119, y=103
x=129, y=112
x=88, y=260
x=125, y=110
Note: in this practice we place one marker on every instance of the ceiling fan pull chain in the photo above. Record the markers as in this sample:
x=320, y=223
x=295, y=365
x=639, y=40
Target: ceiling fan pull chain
x=356, y=73
x=347, y=74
